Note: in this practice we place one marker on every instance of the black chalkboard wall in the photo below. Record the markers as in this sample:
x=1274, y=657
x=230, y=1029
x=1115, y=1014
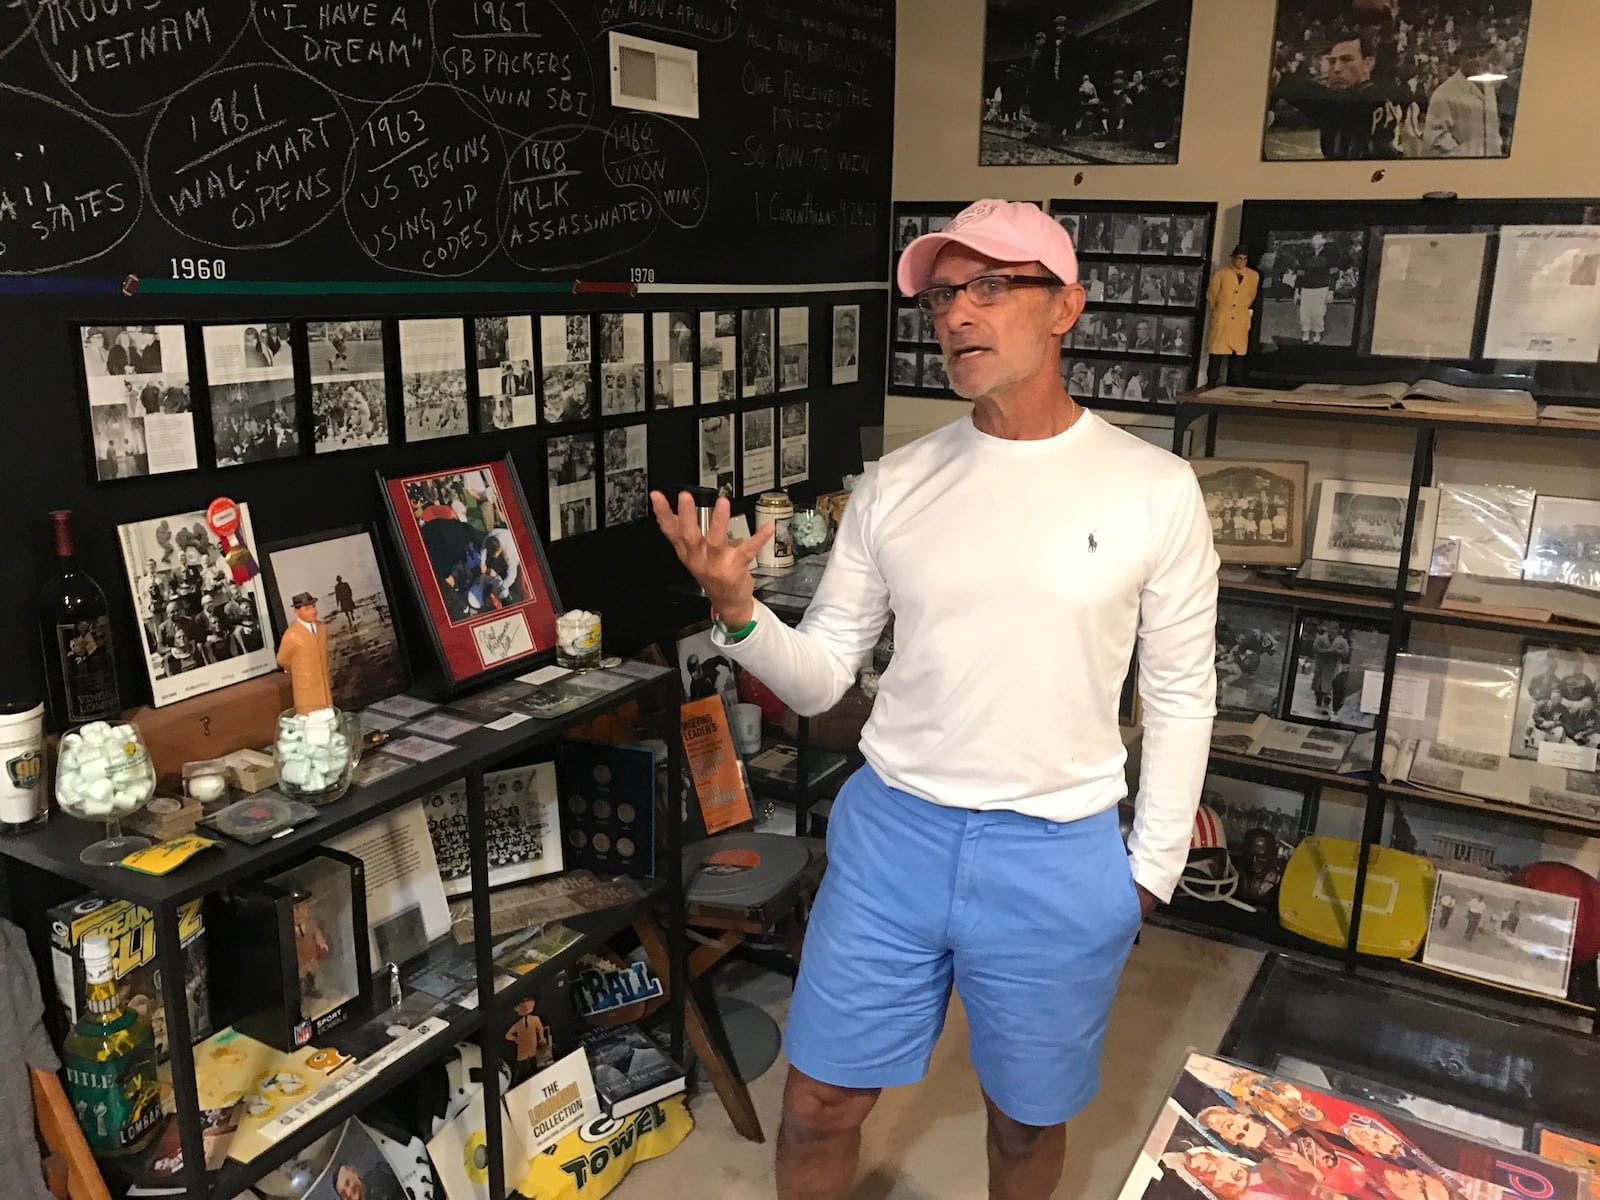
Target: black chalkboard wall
x=222, y=160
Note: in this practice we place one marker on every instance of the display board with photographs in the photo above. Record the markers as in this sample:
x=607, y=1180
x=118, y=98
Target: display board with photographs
x=342, y=570
x=1391, y=81
x=565, y=378
x=627, y=461
x=433, y=377
x=572, y=474
x=506, y=395
x=251, y=392
x=136, y=382
x=349, y=385
x=1143, y=270
x=201, y=626
x=672, y=338
x=915, y=363
x=1094, y=82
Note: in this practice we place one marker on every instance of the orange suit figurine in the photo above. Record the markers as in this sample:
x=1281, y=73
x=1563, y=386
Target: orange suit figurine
x=303, y=652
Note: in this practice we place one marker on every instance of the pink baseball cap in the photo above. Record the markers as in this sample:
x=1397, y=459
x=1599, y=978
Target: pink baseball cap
x=1006, y=230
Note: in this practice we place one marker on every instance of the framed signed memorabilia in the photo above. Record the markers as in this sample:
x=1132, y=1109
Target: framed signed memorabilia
x=476, y=566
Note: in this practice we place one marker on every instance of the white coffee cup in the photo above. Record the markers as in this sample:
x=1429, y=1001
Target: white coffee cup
x=747, y=728
x=23, y=799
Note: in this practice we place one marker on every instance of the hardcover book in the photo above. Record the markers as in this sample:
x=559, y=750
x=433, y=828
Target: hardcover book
x=630, y=1071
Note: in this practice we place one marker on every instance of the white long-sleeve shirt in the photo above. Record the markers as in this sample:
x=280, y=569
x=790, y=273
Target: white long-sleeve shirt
x=1020, y=574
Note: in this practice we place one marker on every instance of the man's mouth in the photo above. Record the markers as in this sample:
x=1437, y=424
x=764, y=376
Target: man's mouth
x=967, y=353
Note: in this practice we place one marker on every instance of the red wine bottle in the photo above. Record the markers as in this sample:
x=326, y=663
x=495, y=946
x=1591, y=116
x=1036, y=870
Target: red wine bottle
x=80, y=669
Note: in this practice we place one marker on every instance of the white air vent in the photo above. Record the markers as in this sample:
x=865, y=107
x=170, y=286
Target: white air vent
x=654, y=76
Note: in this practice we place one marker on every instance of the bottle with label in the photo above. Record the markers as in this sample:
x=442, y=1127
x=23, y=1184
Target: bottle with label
x=80, y=671
x=777, y=510
x=110, y=1061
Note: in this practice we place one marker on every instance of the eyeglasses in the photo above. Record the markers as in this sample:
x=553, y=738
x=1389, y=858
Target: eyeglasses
x=983, y=291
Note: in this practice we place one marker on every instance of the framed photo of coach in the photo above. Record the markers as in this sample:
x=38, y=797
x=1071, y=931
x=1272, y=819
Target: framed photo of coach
x=1391, y=79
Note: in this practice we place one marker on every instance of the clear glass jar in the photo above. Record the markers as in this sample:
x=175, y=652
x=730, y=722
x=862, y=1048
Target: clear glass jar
x=317, y=754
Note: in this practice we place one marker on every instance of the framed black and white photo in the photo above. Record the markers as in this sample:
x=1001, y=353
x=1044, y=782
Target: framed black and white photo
x=716, y=453
x=349, y=385
x=794, y=452
x=904, y=369
x=672, y=379
x=932, y=371
x=565, y=358
x=1257, y=508
x=1363, y=522
x=523, y=826
x=1244, y=805
x=1099, y=82
x=507, y=398
x=1177, y=336
x=341, y=568
x=719, y=356
x=1359, y=80
x=1310, y=287
x=433, y=377
x=1183, y=287
x=621, y=341
x=758, y=451
x=756, y=351
x=570, y=468
x=251, y=392
x=1558, y=707
x=1191, y=236
x=1142, y=338
x=846, y=343
x=1254, y=642
x=1126, y=233
x=627, y=459
x=1517, y=936
x=1155, y=234
x=136, y=380
x=1079, y=376
x=1564, y=543
x=1152, y=285
x=200, y=628
x=1098, y=237
x=1171, y=382
x=908, y=227
x=794, y=348
x=1333, y=657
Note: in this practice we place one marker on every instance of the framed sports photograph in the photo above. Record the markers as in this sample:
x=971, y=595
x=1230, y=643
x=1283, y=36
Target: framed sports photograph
x=523, y=818
x=1497, y=931
x=1558, y=706
x=1253, y=651
x=342, y=569
x=1363, y=522
x=1564, y=545
x=1257, y=508
x=1332, y=658
x=475, y=565
x=504, y=348
x=200, y=626
x=1310, y=286
x=433, y=377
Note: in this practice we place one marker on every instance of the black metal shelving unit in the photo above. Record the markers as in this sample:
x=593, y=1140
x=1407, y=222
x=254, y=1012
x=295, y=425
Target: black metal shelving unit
x=53, y=848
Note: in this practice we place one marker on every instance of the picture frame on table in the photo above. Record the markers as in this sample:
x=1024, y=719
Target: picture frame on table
x=344, y=569
x=1332, y=658
x=1362, y=522
x=1257, y=508
x=1517, y=936
x=481, y=622
x=1254, y=644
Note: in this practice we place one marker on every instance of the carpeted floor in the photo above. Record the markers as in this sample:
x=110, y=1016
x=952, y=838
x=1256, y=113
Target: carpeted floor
x=925, y=1142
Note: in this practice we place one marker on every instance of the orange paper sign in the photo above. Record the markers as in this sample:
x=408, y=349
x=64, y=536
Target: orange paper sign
x=714, y=764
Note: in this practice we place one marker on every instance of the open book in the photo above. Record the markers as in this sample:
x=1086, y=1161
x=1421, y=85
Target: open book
x=1422, y=395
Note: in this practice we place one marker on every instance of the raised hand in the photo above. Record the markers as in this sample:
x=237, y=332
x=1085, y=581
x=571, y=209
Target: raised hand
x=721, y=569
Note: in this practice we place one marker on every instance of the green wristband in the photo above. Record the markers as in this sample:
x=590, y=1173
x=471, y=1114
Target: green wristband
x=736, y=635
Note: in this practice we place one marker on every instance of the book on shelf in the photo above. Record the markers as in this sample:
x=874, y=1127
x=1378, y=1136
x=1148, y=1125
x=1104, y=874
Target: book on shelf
x=630, y=1070
x=1521, y=599
x=776, y=765
x=1583, y=414
x=1431, y=396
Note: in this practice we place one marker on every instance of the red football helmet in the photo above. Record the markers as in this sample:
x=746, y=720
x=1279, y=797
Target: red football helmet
x=1209, y=874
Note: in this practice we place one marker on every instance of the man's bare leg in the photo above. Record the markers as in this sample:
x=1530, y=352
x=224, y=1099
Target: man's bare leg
x=819, y=1141
x=1025, y=1161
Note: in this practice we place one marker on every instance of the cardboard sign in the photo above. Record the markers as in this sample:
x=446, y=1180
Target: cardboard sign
x=714, y=764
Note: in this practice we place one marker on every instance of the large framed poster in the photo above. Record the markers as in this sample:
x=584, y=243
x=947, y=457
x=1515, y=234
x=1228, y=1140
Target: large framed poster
x=476, y=566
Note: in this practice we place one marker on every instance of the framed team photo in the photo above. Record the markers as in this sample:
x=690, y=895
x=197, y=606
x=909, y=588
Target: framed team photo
x=1257, y=509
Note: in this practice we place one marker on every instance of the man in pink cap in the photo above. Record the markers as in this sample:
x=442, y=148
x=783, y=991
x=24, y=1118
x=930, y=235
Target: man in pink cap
x=1024, y=551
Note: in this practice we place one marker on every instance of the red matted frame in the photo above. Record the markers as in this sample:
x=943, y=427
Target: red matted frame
x=476, y=635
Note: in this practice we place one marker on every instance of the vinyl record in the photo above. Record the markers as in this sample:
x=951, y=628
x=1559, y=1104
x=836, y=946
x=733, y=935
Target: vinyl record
x=742, y=868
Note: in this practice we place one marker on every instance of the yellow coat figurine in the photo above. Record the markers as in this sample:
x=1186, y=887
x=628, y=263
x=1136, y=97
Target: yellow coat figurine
x=303, y=652
x=1228, y=299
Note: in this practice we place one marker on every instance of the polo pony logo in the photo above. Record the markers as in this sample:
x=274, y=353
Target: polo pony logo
x=1093, y=545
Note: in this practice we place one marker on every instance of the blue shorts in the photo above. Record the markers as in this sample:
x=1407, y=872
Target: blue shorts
x=1030, y=920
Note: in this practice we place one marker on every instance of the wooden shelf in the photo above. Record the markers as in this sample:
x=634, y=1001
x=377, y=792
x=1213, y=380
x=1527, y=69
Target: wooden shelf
x=1193, y=404
x=1274, y=592
x=1417, y=967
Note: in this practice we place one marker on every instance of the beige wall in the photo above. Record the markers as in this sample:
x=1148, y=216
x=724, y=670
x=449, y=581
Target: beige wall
x=939, y=52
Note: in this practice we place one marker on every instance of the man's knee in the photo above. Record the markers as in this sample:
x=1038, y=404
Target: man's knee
x=1011, y=1138
x=813, y=1109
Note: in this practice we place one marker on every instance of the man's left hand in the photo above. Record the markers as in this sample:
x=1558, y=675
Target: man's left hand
x=1147, y=901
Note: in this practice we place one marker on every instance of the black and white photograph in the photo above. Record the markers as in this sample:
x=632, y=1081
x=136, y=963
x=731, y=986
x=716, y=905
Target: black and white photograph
x=506, y=395
x=1139, y=384
x=1171, y=382
x=1244, y=805
x=1155, y=234
x=621, y=341
x=1097, y=234
x=846, y=343
x=570, y=468
x=1364, y=522
x=1086, y=333
x=719, y=357
x=627, y=464
x=907, y=323
x=1126, y=235
x=567, y=390
x=907, y=228
x=756, y=351
x=1332, y=656
x=349, y=388
x=1092, y=276
x=673, y=338
x=1079, y=374
x=758, y=451
x=1152, y=285
x=200, y=628
x=356, y=1170
x=1257, y=508
x=1177, y=336
x=259, y=350
x=1497, y=931
x=1142, y=339
x=1099, y=82
x=704, y=670
x=794, y=454
x=1253, y=649
x=1357, y=80
x=433, y=378
x=254, y=422
x=1112, y=381
x=794, y=348
x=932, y=371
x=1564, y=543
x=1189, y=236
x=1069, y=222
x=903, y=369
x=1116, y=331
x=1310, y=287
x=522, y=821
x=340, y=569
x=716, y=453
x=1558, y=703
x=1183, y=287
x=1122, y=283
x=140, y=415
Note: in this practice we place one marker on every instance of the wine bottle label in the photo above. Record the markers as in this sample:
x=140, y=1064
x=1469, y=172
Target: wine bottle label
x=87, y=672
x=117, y=1101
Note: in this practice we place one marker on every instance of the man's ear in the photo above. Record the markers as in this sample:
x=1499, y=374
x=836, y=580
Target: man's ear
x=1069, y=302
